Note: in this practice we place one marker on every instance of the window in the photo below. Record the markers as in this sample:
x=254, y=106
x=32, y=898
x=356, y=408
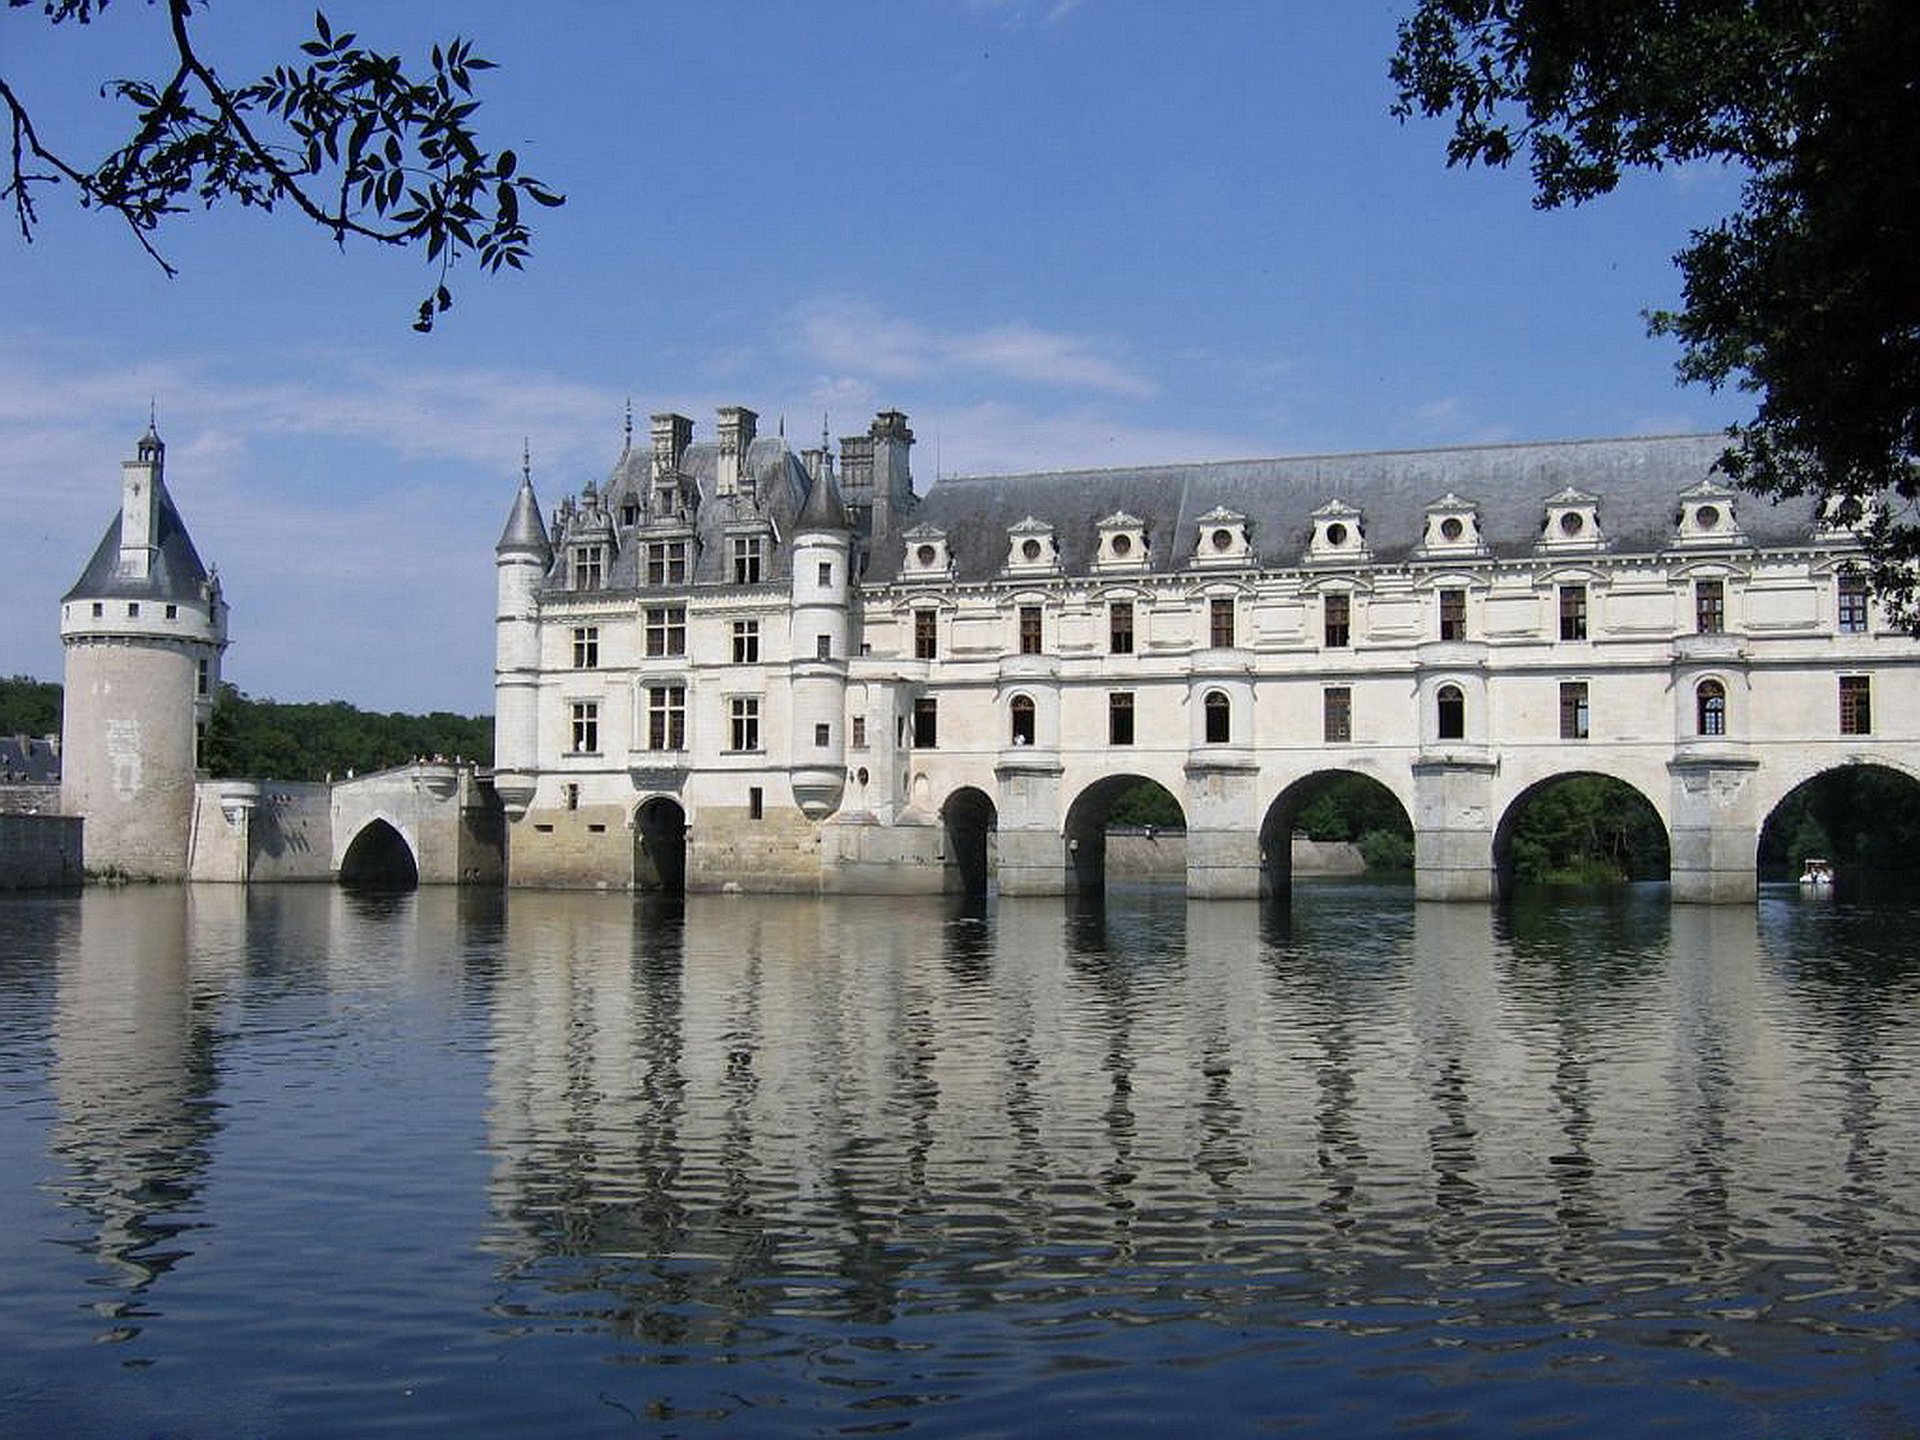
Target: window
x=746, y=559
x=173, y=612
x=1710, y=708
x=1451, y=708
x=1853, y=604
x=1337, y=714
x=859, y=736
x=926, y=722
x=756, y=803
x=746, y=642
x=1021, y=711
x=586, y=647
x=822, y=736
x=666, y=630
x=1120, y=718
x=1339, y=621
x=1030, y=631
x=629, y=514
x=666, y=501
x=589, y=567
x=1856, y=705
x=1573, y=710
x=1573, y=612
x=826, y=574
x=99, y=609
x=570, y=796
x=1453, y=614
x=1219, y=717
x=1220, y=622
x=586, y=727
x=666, y=717
x=1120, y=627
x=823, y=647
x=667, y=562
x=1709, y=607
x=743, y=727
x=926, y=634
x=133, y=609
x=202, y=677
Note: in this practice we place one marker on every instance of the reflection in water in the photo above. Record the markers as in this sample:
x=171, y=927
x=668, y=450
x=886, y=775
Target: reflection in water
x=926, y=1165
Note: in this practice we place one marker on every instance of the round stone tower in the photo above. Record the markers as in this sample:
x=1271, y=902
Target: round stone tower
x=822, y=588
x=143, y=630
x=521, y=560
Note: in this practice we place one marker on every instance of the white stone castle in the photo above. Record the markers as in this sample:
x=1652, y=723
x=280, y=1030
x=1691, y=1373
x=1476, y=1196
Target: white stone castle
x=734, y=666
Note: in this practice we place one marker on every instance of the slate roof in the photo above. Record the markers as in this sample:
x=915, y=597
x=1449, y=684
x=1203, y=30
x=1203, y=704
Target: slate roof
x=524, y=530
x=175, y=574
x=29, y=758
x=1637, y=481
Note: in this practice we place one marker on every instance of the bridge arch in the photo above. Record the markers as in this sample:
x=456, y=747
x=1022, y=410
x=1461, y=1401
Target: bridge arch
x=1860, y=815
x=1377, y=803
x=660, y=846
x=380, y=857
x=1088, y=817
x=970, y=819
x=1609, y=812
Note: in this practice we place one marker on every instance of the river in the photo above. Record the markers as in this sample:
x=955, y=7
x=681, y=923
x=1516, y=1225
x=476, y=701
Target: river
x=293, y=1161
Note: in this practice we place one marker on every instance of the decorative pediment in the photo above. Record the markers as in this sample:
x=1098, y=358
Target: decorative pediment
x=1032, y=548
x=1452, y=529
x=1339, y=536
x=1572, y=524
x=927, y=556
x=1707, y=518
x=1123, y=543
x=1222, y=540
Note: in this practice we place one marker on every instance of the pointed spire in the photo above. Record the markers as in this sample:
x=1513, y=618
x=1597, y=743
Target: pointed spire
x=526, y=533
x=825, y=511
x=526, y=461
x=626, y=442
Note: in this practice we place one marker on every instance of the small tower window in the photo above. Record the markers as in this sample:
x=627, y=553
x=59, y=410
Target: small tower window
x=1219, y=717
x=1021, y=713
x=1710, y=708
x=1451, y=708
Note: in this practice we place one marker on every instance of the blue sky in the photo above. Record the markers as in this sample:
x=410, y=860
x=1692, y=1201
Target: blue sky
x=1056, y=234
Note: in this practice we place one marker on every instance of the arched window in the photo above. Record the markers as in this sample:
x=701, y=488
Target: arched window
x=1219, y=717
x=1022, y=714
x=1453, y=712
x=1710, y=703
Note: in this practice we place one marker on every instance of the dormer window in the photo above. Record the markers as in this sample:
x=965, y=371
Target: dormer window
x=629, y=514
x=589, y=567
x=1707, y=518
x=667, y=562
x=1123, y=543
x=927, y=556
x=1339, y=537
x=749, y=557
x=1032, y=548
x=1452, y=528
x=1572, y=523
x=1221, y=539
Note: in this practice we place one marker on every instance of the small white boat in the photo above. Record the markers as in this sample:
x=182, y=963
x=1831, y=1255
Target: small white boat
x=1817, y=876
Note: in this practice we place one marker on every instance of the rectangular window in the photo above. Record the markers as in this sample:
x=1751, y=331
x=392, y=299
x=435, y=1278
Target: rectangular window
x=1120, y=627
x=586, y=647
x=1120, y=718
x=1573, y=710
x=1030, y=631
x=1453, y=614
x=746, y=559
x=746, y=642
x=822, y=736
x=173, y=612
x=743, y=717
x=1853, y=604
x=1338, y=611
x=1573, y=612
x=1856, y=705
x=202, y=677
x=589, y=567
x=858, y=739
x=667, y=562
x=133, y=609
x=826, y=574
x=666, y=717
x=1709, y=607
x=823, y=647
x=666, y=630
x=586, y=727
x=1337, y=714
x=756, y=803
x=1220, y=622
x=926, y=722
x=99, y=609
x=926, y=635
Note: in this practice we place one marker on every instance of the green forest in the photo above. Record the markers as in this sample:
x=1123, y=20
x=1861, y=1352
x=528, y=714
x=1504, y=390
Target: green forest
x=29, y=706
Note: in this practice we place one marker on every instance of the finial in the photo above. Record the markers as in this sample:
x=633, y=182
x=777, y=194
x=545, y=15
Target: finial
x=826, y=441
x=526, y=460
x=627, y=442
x=153, y=413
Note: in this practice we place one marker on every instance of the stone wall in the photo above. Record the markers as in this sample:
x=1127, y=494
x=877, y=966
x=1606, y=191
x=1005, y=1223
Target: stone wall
x=41, y=852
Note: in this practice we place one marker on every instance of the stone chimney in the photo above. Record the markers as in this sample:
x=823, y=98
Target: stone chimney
x=892, y=476
x=736, y=434
x=672, y=434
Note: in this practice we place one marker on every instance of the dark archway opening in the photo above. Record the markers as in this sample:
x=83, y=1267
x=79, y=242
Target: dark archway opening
x=1125, y=827
x=1580, y=829
x=1863, y=820
x=1355, y=826
x=971, y=820
x=660, y=847
x=379, y=859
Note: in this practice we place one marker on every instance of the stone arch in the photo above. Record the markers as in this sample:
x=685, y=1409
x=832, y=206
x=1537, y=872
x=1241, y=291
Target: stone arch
x=1506, y=862
x=970, y=820
x=660, y=846
x=380, y=857
x=1086, y=827
x=1865, y=815
x=1278, y=823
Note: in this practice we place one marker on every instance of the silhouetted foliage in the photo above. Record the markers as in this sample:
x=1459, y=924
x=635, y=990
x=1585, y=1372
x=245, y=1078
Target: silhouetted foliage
x=1588, y=830
x=1861, y=817
x=266, y=739
x=1148, y=803
x=29, y=706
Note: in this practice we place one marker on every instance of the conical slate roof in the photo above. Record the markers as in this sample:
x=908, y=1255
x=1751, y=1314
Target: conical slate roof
x=175, y=572
x=825, y=510
x=526, y=533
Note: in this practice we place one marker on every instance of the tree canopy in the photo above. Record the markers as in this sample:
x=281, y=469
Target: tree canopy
x=310, y=741
x=345, y=136
x=1808, y=295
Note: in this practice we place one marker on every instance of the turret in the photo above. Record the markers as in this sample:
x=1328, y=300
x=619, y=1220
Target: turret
x=821, y=618
x=521, y=561
x=143, y=629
